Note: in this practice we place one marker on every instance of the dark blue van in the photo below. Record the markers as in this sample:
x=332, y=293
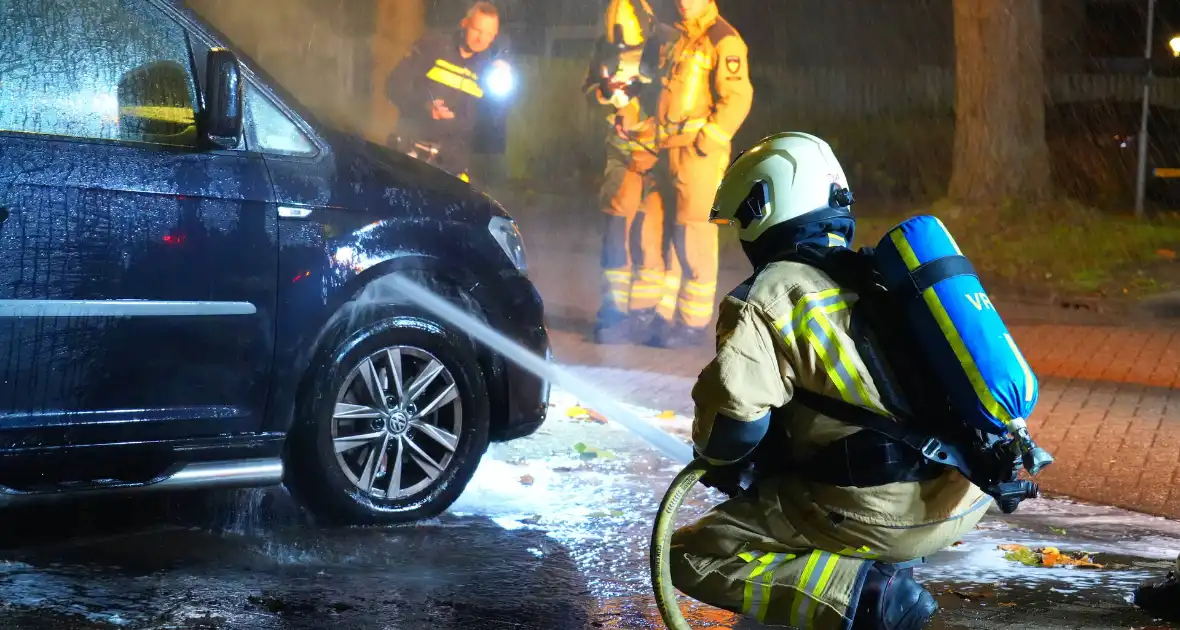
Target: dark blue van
x=191, y=282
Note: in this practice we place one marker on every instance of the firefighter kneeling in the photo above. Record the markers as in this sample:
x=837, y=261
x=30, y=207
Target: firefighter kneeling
x=845, y=496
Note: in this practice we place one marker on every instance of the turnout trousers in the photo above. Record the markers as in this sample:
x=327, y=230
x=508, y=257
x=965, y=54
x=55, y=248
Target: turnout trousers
x=783, y=560
x=638, y=271
x=677, y=273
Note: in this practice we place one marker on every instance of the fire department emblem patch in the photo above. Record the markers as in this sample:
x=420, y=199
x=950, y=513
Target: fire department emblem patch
x=733, y=63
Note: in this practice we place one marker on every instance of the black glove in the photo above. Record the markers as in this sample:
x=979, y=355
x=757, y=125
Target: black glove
x=726, y=479
x=633, y=88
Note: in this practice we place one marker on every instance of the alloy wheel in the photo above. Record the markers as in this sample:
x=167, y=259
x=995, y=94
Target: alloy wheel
x=397, y=422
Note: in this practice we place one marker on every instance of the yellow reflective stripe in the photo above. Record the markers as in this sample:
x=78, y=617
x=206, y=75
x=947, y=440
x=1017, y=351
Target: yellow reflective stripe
x=951, y=333
x=714, y=131
x=842, y=357
x=829, y=300
x=808, y=321
x=767, y=581
x=448, y=78
x=948, y=236
x=688, y=126
x=618, y=274
x=829, y=364
x=696, y=308
x=748, y=592
x=700, y=288
x=756, y=593
x=862, y=552
x=463, y=177
x=824, y=578
x=835, y=240
x=801, y=607
x=450, y=67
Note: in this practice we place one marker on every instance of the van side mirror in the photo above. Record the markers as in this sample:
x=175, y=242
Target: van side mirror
x=222, y=119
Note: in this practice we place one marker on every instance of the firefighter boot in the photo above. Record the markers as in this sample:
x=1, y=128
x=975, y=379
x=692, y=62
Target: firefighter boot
x=612, y=328
x=616, y=328
x=892, y=600
x=1160, y=598
x=678, y=335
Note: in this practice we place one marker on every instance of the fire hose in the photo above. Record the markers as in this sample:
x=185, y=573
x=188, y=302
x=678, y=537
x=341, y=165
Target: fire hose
x=661, y=541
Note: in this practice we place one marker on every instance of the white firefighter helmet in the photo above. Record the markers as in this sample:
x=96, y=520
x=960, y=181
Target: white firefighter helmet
x=628, y=22
x=782, y=178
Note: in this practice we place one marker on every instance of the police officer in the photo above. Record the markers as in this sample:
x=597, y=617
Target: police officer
x=617, y=82
x=706, y=96
x=437, y=89
x=801, y=550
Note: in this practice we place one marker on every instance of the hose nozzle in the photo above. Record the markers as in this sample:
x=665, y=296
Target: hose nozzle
x=1036, y=458
x=1009, y=495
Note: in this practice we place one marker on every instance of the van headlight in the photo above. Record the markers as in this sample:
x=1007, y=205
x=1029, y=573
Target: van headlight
x=506, y=233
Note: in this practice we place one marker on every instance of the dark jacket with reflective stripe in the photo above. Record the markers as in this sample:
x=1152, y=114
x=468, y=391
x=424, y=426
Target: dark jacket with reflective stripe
x=434, y=69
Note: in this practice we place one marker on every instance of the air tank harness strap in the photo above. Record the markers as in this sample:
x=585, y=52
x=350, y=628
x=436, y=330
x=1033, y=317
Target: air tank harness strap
x=933, y=272
x=860, y=470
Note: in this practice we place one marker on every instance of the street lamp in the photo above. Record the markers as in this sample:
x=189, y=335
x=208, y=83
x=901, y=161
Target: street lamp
x=1174, y=43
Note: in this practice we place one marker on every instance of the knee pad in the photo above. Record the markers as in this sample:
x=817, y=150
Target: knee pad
x=890, y=599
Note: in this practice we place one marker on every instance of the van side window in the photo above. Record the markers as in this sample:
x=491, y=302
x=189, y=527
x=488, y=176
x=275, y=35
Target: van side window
x=95, y=69
x=268, y=130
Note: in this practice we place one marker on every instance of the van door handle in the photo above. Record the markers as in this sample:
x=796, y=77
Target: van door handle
x=290, y=212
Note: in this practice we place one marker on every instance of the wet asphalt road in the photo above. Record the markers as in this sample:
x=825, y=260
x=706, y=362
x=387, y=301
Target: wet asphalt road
x=543, y=539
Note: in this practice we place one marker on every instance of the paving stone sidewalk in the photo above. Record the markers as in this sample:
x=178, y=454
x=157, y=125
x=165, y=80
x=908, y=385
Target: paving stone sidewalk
x=1110, y=396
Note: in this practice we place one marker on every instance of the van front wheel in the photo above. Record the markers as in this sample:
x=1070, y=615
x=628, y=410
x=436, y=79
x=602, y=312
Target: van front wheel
x=396, y=426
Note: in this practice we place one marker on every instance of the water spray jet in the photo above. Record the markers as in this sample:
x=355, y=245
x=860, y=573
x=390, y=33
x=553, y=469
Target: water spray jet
x=601, y=402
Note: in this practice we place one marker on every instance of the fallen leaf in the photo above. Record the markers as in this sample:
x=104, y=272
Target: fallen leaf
x=667, y=415
x=1024, y=556
x=1058, y=531
x=1007, y=604
x=589, y=452
x=1048, y=557
x=597, y=417
x=1166, y=254
x=956, y=543
x=606, y=514
x=577, y=412
x=526, y=480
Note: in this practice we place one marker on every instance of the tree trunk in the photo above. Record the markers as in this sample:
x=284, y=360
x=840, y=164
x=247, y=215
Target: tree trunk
x=1000, y=154
x=399, y=23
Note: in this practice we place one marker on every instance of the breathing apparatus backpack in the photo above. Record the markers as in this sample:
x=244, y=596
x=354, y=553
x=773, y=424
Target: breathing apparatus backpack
x=946, y=366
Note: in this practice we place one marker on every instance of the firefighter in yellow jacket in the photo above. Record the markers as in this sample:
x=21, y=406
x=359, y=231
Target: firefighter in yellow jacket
x=826, y=542
x=616, y=82
x=706, y=96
